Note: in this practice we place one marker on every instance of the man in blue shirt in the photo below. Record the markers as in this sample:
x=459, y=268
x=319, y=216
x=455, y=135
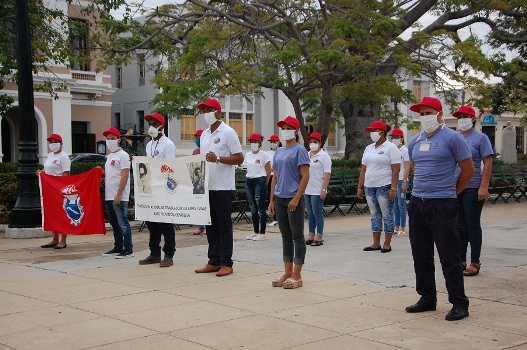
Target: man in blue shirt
x=434, y=154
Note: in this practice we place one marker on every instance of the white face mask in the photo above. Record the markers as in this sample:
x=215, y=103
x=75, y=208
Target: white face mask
x=153, y=131
x=274, y=146
x=396, y=142
x=210, y=118
x=113, y=145
x=464, y=124
x=429, y=123
x=54, y=147
x=255, y=146
x=375, y=136
x=313, y=146
x=287, y=134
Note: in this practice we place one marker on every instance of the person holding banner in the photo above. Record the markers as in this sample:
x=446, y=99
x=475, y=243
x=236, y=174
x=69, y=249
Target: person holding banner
x=117, y=193
x=223, y=151
x=57, y=164
x=291, y=175
x=160, y=147
x=258, y=172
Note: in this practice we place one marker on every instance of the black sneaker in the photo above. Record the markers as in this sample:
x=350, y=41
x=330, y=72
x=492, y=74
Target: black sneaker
x=112, y=252
x=126, y=253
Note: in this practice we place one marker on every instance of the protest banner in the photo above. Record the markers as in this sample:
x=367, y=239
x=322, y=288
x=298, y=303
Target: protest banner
x=172, y=190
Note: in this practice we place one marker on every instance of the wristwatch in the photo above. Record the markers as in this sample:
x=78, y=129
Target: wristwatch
x=324, y=190
x=217, y=160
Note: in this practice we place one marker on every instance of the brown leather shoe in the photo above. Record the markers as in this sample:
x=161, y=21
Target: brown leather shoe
x=224, y=271
x=166, y=262
x=150, y=260
x=208, y=269
x=472, y=270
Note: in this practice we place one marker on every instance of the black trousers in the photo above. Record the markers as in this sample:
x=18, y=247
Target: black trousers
x=167, y=230
x=435, y=221
x=219, y=233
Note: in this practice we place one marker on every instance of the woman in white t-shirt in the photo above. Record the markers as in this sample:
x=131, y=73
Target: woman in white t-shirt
x=274, y=143
x=57, y=164
x=399, y=205
x=319, y=174
x=379, y=173
x=258, y=172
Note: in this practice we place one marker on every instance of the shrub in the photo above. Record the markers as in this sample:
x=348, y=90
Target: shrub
x=346, y=163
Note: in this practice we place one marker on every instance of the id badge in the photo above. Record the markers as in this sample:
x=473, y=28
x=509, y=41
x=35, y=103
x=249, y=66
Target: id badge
x=424, y=146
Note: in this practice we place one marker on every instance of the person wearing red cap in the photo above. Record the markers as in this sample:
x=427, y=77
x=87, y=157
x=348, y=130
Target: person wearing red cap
x=316, y=190
x=117, y=194
x=274, y=143
x=291, y=166
x=258, y=172
x=223, y=151
x=159, y=146
x=472, y=198
x=201, y=228
x=434, y=154
x=399, y=205
x=379, y=172
x=57, y=164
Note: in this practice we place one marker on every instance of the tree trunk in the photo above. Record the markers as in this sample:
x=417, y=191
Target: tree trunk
x=295, y=101
x=356, y=120
x=326, y=110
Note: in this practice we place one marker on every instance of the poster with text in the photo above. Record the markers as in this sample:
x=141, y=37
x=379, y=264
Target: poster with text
x=172, y=190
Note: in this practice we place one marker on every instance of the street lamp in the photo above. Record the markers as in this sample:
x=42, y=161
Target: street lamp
x=26, y=212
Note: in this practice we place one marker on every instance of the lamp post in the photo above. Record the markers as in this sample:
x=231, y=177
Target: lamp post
x=26, y=212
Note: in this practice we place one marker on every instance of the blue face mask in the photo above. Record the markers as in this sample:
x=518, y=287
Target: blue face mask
x=197, y=142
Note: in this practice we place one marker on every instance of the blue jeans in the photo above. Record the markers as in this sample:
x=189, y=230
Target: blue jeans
x=469, y=224
x=257, y=196
x=381, y=208
x=118, y=217
x=291, y=225
x=314, y=211
x=219, y=232
x=399, y=206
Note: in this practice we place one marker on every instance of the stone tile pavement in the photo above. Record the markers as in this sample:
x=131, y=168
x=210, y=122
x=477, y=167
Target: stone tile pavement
x=350, y=300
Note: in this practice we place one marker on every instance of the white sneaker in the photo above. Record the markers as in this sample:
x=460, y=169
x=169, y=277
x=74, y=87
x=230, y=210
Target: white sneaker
x=272, y=224
x=258, y=237
x=250, y=237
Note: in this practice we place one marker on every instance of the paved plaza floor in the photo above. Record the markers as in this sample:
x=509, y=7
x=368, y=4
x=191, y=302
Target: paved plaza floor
x=76, y=299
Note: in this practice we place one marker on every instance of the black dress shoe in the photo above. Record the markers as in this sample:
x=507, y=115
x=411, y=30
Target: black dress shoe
x=420, y=307
x=457, y=313
x=386, y=250
x=48, y=245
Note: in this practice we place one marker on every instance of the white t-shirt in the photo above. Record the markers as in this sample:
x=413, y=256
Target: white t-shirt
x=255, y=164
x=223, y=142
x=404, y=158
x=379, y=162
x=319, y=165
x=270, y=154
x=115, y=162
x=162, y=148
x=57, y=164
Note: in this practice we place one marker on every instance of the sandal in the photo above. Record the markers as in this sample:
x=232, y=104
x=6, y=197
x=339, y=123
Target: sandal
x=472, y=270
x=316, y=243
x=203, y=233
x=197, y=233
x=278, y=281
x=309, y=241
x=291, y=283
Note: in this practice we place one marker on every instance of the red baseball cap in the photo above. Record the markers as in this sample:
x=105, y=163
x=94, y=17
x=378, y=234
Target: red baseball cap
x=315, y=135
x=113, y=131
x=397, y=132
x=156, y=116
x=377, y=124
x=465, y=110
x=210, y=103
x=55, y=137
x=198, y=132
x=255, y=137
x=292, y=121
x=427, y=101
x=274, y=138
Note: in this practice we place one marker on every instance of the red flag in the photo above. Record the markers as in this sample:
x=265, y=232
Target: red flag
x=72, y=204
